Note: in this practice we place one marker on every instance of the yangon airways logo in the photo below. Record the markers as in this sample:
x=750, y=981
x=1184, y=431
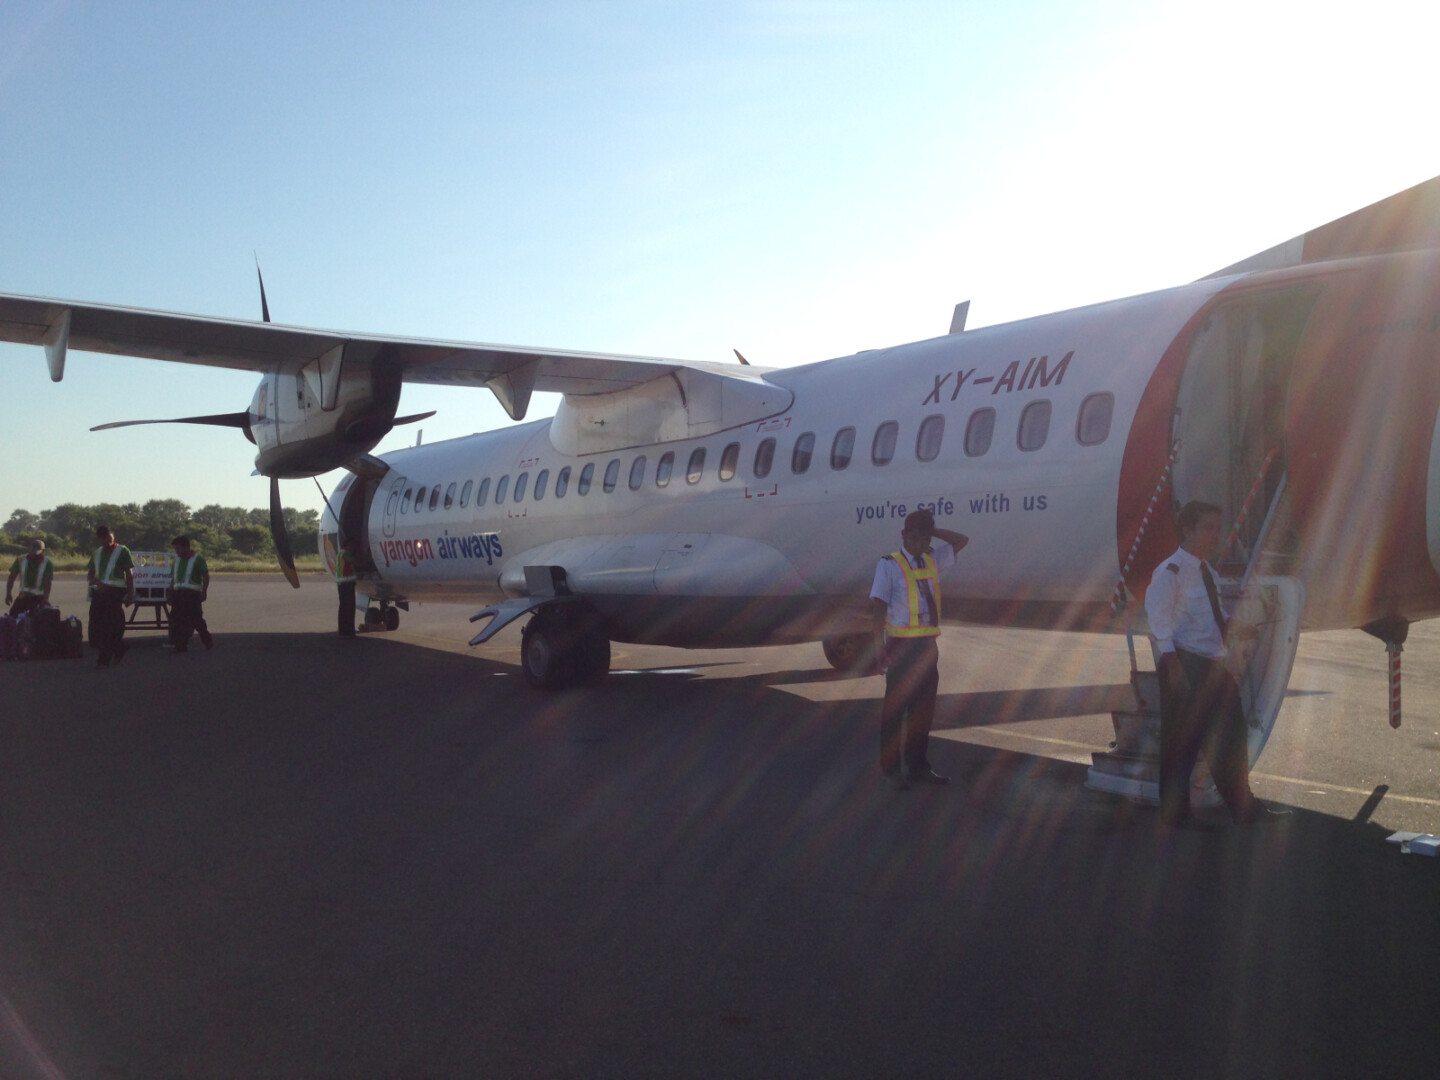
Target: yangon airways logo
x=475, y=546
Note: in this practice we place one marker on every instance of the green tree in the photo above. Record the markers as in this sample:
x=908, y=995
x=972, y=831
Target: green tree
x=251, y=539
x=22, y=521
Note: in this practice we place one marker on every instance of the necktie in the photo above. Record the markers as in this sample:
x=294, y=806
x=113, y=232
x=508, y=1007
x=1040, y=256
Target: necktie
x=927, y=594
x=1214, y=597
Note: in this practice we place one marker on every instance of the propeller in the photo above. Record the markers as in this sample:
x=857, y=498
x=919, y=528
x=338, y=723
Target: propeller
x=280, y=536
x=229, y=419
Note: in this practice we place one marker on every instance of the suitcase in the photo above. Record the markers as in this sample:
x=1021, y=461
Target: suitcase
x=24, y=637
x=45, y=629
x=9, y=638
x=72, y=639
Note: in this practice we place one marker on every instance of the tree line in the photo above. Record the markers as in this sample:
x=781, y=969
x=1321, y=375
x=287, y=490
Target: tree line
x=216, y=530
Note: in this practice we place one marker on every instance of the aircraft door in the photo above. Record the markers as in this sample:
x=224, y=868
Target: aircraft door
x=392, y=501
x=354, y=519
x=1230, y=418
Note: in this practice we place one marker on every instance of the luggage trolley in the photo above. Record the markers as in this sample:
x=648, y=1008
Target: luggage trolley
x=152, y=590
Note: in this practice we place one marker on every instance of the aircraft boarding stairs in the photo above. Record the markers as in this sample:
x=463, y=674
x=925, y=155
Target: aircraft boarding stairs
x=1273, y=604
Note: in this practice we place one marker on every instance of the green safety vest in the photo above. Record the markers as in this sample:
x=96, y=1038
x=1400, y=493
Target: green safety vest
x=109, y=576
x=33, y=575
x=185, y=572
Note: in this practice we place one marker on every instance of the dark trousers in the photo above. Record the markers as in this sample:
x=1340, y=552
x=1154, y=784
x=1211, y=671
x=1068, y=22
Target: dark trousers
x=187, y=616
x=107, y=622
x=911, y=679
x=26, y=602
x=347, y=608
x=1208, y=719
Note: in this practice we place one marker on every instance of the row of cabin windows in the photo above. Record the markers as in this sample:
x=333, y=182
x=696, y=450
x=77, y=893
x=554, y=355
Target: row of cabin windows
x=1092, y=427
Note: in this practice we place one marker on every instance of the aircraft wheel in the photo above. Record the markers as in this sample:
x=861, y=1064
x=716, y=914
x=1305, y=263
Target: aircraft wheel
x=372, y=619
x=853, y=654
x=545, y=655
x=391, y=617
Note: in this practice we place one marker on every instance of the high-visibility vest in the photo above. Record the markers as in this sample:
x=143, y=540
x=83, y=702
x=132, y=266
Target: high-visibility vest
x=107, y=576
x=913, y=577
x=32, y=576
x=344, y=566
x=184, y=573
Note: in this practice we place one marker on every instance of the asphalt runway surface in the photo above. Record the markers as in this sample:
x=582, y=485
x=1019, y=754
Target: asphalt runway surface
x=299, y=856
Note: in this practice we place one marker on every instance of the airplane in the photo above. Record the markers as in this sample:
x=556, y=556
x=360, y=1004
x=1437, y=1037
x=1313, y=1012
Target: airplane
x=707, y=504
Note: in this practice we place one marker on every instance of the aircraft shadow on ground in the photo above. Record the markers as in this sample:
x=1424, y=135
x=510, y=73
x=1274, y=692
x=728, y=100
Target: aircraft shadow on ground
x=404, y=864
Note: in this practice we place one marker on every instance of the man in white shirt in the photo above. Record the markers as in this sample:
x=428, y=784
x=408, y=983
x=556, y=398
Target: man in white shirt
x=1199, y=700
x=905, y=601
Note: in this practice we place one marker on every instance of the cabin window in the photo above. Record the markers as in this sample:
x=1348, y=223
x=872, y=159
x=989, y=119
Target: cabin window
x=562, y=482
x=450, y=496
x=932, y=433
x=434, y=496
x=612, y=474
x=520, y=482
x=664, y=467
x=979, y=431
x=405, y=506
x=465, y=493
x=420, y=499
x=1093, y=427
x=482, y=492
x=1034, y=426
x=764, y=458
x=587, y=474
x=803, y=452
x=729, y=460
x=637, y=473
x=882, y=449
x=542, y=478
x=501, y=486
x=390, y=503
x=843, y=448
x=696, y=469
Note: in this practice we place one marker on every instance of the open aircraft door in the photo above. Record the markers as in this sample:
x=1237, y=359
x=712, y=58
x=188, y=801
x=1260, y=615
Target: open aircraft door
x=1228, y=431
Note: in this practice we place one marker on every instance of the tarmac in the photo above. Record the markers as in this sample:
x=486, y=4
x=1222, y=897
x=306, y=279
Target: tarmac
x=302, y=856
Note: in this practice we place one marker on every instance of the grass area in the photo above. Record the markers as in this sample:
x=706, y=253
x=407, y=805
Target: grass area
x=227, y=564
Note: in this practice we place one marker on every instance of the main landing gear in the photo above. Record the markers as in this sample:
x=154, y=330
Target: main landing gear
x=853, y=654
x=563, y=646
x=385, y=617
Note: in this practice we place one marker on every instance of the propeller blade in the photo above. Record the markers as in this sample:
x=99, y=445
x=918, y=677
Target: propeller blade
x=280, y=536
x=264, y=307
x=412, y=419
x=234, y=419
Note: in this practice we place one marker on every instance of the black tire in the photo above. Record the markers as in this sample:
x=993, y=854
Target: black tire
x=546, y=653
x=594, y=658
x=372, y=618
x=391, y=617
x=853, y=654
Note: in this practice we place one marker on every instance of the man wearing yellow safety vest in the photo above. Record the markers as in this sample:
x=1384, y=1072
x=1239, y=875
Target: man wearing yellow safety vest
x=189, y=588
x=36, y=573
x=111, y=574
x=905, y=601
x=345, y=582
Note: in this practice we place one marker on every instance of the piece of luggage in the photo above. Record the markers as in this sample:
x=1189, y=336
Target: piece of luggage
x=72, y=639
x=24, y=636
x=9, y=638
x=45, y=628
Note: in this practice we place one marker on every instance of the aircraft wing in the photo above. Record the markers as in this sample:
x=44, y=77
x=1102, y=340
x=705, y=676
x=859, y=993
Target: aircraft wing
x=511, y=371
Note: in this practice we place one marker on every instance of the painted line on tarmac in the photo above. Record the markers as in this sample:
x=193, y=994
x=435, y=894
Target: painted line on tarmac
x=968, y=736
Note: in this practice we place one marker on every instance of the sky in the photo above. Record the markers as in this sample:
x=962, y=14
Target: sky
x=797, y=180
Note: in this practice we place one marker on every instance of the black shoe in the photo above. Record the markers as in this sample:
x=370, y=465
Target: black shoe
x=209, y=643
x=928, y=775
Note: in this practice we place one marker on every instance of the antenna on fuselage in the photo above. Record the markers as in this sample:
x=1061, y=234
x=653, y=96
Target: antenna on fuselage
x=740, y=358
x=957, y=321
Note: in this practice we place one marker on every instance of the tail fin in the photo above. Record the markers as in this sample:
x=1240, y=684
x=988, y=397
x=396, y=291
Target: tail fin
x=1404, y=222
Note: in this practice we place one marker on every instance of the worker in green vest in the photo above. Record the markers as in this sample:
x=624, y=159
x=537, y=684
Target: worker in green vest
x=111, y=574
x=345, y=582
x=189, y=589
x=36, y=573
